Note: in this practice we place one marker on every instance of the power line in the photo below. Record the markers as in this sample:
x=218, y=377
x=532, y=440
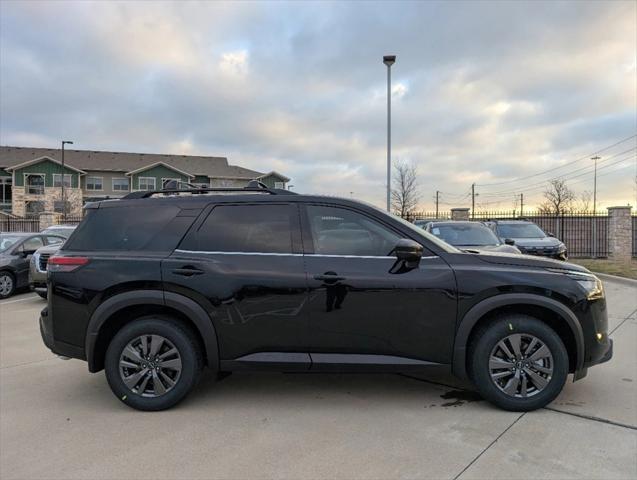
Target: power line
x=558, y=167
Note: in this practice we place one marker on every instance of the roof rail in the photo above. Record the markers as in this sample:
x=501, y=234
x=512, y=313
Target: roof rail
x=254, y=186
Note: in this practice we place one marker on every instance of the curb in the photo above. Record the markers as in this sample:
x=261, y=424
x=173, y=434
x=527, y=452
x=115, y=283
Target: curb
x=615, y=278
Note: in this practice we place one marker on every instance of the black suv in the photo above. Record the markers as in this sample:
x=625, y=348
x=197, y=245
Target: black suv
x=529, y=238
x=156, y=286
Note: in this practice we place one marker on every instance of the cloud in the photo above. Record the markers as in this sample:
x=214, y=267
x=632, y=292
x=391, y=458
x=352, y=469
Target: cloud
x=483, y=92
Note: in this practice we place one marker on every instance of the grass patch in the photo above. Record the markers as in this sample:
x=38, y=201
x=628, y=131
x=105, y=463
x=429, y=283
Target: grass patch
x=626, y=269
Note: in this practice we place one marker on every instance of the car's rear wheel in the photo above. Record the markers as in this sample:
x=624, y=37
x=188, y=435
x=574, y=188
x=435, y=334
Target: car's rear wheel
x=7, y=284
x=518, y=363
x=153, y=363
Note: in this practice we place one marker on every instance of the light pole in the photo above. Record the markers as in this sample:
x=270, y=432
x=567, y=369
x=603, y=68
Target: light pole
x=64, y=142
x=389, y=60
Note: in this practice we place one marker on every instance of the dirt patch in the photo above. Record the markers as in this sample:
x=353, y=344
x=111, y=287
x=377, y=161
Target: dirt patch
x=460, y=397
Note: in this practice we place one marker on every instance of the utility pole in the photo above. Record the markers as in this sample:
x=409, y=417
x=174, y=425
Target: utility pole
x=473, y=198
x=593, y=219
x=437, y=199
x=389, y=60
x=521, y=205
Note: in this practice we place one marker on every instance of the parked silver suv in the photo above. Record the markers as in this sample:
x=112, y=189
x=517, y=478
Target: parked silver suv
x=40, y=259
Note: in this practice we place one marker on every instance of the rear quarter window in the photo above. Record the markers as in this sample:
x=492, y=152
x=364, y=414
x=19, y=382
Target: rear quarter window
x=154, y=228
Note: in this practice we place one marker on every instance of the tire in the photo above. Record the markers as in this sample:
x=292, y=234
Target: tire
x=540, y=376
x=145, y=394
x=7, y=284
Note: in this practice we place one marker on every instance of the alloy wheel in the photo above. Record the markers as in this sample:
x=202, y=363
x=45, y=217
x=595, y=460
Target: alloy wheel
x=150, y=365
x=521, y=365
x=6, y=284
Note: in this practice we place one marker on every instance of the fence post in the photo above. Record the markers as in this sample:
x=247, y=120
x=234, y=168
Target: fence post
x=459, y=214
x=620, y=231
x=47, y=219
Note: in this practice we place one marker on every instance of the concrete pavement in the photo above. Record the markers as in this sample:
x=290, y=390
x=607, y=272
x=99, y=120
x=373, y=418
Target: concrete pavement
x=59, y=421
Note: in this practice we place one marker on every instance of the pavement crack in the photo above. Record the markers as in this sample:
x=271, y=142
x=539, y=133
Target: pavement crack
x=622, y=322
x=593, y=418
x=26, y=363
x=490, y=445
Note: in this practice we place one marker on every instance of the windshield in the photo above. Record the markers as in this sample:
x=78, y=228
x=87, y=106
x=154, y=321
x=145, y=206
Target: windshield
x=520, y=230
x=7, y=241
x=465, y=234
x=62, y=232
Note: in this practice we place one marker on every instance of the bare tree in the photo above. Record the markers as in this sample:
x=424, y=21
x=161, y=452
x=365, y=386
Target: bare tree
x=404, y=193
x=558, y=198
x=585, y=199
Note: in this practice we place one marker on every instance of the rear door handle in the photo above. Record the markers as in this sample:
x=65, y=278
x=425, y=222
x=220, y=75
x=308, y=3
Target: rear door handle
x=187, y=271
x=328, y=278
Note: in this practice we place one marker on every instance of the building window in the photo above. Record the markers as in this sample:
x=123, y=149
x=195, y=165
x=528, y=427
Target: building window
x=57, y=180
x=120, y=185
x=33, y=208
x=35, y=183
x=202, y=185
x=94, y=183
x=58, y=206
x=147, y=183
x=279, y=185
x=5, y=193
x=171, y=183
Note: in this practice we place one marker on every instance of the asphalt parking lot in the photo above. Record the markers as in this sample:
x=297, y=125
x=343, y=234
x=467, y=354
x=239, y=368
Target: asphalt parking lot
x=59, y=421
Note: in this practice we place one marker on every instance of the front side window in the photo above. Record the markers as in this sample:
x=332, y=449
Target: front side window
x=247, y=228
x=35, y=183
x=146, y=183
x=32, y=244
x=57, y=180
x=120, y=185
x=339, y=231
x=94, y=183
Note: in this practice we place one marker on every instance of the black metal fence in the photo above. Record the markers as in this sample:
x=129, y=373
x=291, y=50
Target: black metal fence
x=9, y=224
x=584, y=233
x=68, y=220
x=634, y=219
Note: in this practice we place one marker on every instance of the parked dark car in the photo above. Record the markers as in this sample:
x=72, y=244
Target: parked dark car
x=470, y=236
x=530, y=238
x=39, y=260
x=156, y=286
x=16, y=250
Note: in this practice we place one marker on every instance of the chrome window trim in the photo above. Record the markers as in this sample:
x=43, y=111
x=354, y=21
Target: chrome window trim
x=318, y=255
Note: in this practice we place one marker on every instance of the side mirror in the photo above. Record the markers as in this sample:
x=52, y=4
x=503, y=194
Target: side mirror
x=550, y=234
x=509, y=241
x=408, y=250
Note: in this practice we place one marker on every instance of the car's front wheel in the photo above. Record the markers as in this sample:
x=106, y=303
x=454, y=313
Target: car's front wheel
x=518, y=363
x=7, y=284
x=153, y=363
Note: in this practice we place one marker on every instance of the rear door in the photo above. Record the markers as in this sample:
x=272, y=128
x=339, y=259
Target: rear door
x=245, y=263
x=363, y=305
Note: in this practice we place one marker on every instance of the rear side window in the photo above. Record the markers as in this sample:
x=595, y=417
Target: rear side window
x=247, y=228
x=130, y=228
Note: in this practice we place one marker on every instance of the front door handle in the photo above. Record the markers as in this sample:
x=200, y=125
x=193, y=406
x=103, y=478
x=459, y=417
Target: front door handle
x=187, y=271
x=329, y=277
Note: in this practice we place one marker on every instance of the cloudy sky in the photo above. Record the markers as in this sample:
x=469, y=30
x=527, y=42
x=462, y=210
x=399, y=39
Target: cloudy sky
x=503, y=94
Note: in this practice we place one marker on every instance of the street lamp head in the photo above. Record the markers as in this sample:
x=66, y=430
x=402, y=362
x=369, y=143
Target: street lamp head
x=65, y=142
x=389, y=60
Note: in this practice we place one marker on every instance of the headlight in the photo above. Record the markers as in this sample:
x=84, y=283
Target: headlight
x=591, y=285
x=561, y=248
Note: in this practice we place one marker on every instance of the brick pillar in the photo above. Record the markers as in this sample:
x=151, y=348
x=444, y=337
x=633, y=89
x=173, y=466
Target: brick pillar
x=459, y=214
x=620, y=232
x=47, y=219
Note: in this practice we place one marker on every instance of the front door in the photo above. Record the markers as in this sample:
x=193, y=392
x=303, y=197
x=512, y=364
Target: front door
x=244, y=262
x=362, y=303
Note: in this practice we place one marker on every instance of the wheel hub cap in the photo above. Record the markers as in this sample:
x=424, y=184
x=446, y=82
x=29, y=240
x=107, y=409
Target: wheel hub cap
x=150, y=365
x=521, y=365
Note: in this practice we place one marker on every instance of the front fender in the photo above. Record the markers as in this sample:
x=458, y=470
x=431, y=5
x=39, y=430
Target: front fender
x=487, y=305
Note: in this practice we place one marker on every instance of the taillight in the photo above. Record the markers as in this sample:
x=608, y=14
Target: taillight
x=66, y=264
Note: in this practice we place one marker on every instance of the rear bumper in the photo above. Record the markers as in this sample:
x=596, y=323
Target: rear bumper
x=59, y=348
